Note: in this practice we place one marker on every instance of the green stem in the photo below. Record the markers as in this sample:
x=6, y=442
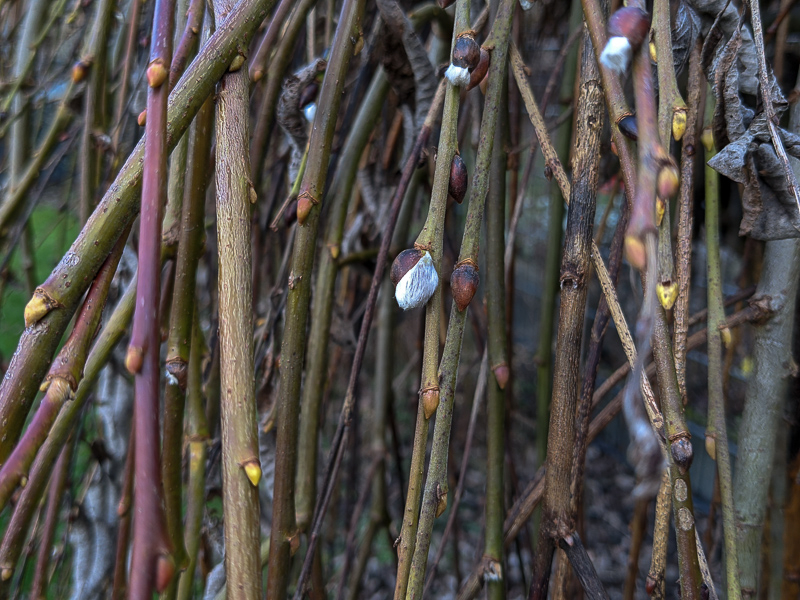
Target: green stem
x=436, y=485
x=284, y=527
x=52, y=307
x=322, y=310
x=179, y=342
x=716, y=432
x=241, y=469
x=498, y=361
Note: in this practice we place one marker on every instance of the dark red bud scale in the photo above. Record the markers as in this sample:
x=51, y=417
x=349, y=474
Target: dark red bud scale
x=478, y=74
x=458, y=179
x=466, y=52
x=404, y=262
x=628, y=127
x=630, y=23
x=309, y=94
x=464, y=283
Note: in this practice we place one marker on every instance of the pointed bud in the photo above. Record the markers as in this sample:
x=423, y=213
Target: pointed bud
x=464, y=283
x=669, y=181
x=653, y=52
x=650, y=585
x=165, y=571
x=305, y=203
x=134, y=359
x=466, y=51
x=253, y=471
x=157, y=73
x=430, y=402
x=627, y=126
x=458, y=179
x=661, y=208
x=38, y=306
x=416, y=278
x=81, y=69
x=679, y=120
x=441, y=503
x=711, y=446
x=478, y=74
x=142, y=118
x=309, y=94
x=708, y=139
x=667, y=294
x=257, y=75
x=727, y=338
x=501, y=374
x=236, y=63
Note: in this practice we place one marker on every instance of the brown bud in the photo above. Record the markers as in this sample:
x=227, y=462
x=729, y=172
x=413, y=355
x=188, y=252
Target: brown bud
x=134, y=359
x=650, y=585
x=430, y=402
x=478, y=74
x=501, y=374
x=81, y=69
x=668, y=181
x=156, y=73
x=256, y=75
x=441, y=501
x=309, y=94
x=682, y=454
x=236, y=63
x=165, y=570
x=466, y=52
x=404, y=262
x=630, y=23
x=458, y=179
x=628, y=127
x=464, y=283
x=142, y=118
x=304, y=205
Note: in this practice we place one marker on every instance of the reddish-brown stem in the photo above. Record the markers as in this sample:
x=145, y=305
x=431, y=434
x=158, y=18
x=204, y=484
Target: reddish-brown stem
x=63, y=378
x=54, y=496
x=259, y=63
x=149, y=536
x=188, y=42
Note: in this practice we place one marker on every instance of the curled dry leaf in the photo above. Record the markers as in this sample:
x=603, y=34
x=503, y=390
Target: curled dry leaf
x=289, y=115
x=746, y=153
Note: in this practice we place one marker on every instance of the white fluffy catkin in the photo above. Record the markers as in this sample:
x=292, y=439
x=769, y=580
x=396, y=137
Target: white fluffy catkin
x=617, y=54
x=418, y=285
x=457, y=75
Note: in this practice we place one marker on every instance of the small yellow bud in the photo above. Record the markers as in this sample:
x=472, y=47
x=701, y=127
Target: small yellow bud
x=236, y=63
x=708, y=139
x=142, y=118
x=134, y=359
x=667, y=294
x=6, y=574
x=253, y=471
x=711, y=447
x=725, y=334
x=679, y=119
x=430, y=402
x=157, y=73
x=653, y=52
x=661, y=208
